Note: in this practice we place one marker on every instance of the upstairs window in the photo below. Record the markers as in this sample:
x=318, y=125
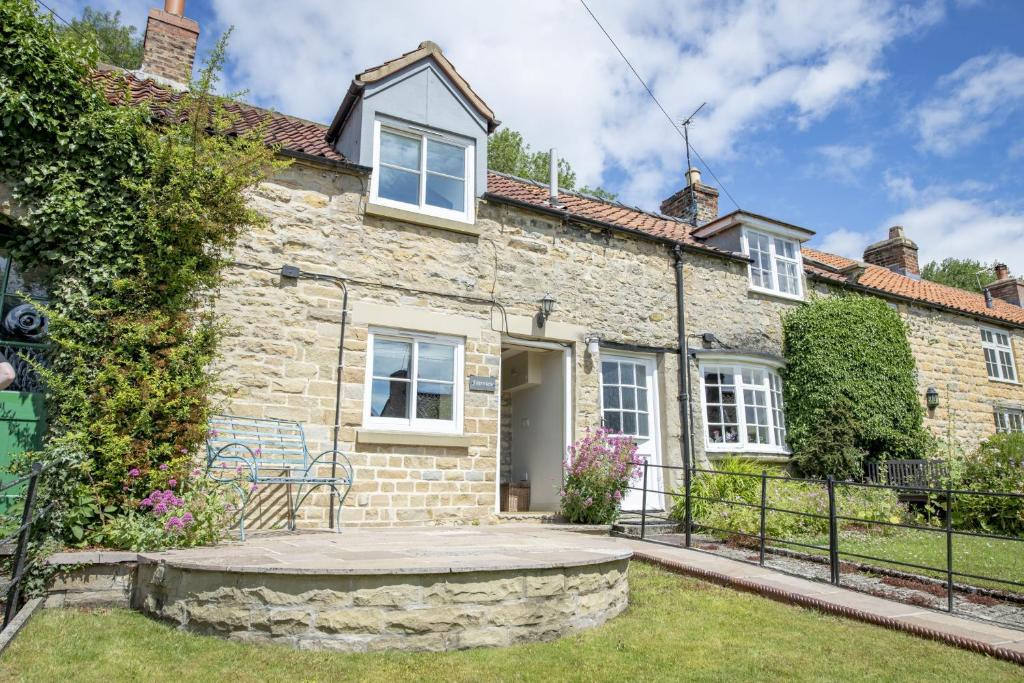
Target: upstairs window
x=998, y=355
x=775, y=264
x=743, y=408
x=1009, y=421
x=423, y=171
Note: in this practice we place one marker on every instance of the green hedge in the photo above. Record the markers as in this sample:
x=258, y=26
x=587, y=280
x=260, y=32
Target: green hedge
x=850, y=387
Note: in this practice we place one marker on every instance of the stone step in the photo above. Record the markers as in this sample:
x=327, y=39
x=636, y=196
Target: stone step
x=630, y=526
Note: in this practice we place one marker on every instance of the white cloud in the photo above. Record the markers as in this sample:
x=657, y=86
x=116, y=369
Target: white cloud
x=842, y=163
x=978, y=96
x=964, y=228
x=845, y=242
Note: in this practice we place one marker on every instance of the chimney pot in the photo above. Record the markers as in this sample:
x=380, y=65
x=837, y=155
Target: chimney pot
x=897, y=253
x=896, y=231
x=693, y=176
x=1002, y=271
x=175, y=7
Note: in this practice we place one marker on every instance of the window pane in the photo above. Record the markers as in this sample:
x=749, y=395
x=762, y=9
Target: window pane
x=627, y=373
x=610, y=372
x=629, y=423
x=629, y=398
x=399, y=186
x=390, y=398
x=434, y=401
x=641, y=377
x=436, y=361
x=712, y=394
x=446, y=193
x=641, y=399
x=611, y=397
x=643, y=428
x=445, y=158
x=391, y=358
x=399, y=150
x=613, y=420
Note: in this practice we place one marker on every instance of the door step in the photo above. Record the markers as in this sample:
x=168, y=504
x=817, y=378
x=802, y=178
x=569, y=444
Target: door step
x=630, y=524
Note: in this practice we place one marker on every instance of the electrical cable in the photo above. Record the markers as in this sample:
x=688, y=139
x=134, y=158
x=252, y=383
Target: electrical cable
x=655, y=99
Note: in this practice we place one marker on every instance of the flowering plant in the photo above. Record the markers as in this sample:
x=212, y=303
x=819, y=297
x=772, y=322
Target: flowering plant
x=598, y=473
x=182, y=514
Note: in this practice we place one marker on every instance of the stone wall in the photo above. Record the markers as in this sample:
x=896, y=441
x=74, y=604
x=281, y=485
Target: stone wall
x=281, y=349
x=368, y=613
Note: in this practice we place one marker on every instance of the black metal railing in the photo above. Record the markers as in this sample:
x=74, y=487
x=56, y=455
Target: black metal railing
x=943, y=499
x=20, y=536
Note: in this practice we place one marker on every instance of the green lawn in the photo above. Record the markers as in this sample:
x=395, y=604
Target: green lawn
x=675, y=629
x=979, y=556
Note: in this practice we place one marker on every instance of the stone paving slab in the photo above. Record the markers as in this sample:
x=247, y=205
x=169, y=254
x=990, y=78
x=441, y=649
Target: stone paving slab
x=972, y=634
x=402, y=551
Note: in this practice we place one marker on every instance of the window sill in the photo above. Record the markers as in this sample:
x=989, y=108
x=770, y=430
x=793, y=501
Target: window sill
x=743, y=451
x=775, y=294
x=382, y=436
x=760, y=456
x=418, y=218
x=1004, y=381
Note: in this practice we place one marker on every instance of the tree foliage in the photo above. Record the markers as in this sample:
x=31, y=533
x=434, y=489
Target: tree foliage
x=850, y=386
x=963, y=273
x=132, y=218
x=507, y=152
x=116, y=43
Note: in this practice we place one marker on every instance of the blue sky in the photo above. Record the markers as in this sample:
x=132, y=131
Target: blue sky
x=843, y=117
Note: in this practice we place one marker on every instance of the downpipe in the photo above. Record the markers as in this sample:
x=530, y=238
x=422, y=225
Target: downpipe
x=684, y=390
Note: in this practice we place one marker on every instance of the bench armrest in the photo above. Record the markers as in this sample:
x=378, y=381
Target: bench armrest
x=346, y=464
x=219, y=455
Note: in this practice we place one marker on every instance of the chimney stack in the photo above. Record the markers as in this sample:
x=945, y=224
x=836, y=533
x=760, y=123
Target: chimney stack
x=696, y=203
x=1007, y=288
x=169, y=48
x=897, y=253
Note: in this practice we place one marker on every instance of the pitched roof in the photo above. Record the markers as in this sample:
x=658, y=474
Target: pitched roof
x=885, y=281
x=290, y=133
x=298, y=136
x=426, y=49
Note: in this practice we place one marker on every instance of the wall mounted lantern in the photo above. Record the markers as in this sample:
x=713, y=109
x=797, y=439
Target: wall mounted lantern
x=547, y=305
x=931, y=398
x=593, y=342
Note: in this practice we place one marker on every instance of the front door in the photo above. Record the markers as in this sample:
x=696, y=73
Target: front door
x=629, y=404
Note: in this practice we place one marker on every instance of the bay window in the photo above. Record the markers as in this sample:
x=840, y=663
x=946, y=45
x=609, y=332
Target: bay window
x=413, y=382
x=743, y=409
x=424, y=171
x=1009, y=420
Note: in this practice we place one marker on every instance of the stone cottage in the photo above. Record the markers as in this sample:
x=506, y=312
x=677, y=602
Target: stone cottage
x=490, y=320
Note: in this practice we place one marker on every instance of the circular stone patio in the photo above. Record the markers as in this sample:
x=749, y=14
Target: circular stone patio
x=382, y=589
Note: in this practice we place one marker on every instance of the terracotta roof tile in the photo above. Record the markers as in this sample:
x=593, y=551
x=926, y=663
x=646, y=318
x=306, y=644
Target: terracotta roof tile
x=292, y=134
x=885, y=281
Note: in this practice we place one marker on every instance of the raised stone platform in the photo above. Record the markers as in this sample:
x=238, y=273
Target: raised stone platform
x=403, y=589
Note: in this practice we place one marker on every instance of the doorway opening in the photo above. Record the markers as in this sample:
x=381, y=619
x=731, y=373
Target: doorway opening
x=535, y=425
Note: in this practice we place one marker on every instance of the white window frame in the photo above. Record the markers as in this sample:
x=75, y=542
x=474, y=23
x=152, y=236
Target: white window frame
x=772, y=385
x=775, y=258
x=423, y=135
x=997, y=348
x=1009, y=420
x=413, y=423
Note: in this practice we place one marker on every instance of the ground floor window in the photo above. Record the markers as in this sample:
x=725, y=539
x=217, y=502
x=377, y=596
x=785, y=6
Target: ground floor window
x=1009, y=420
x=413, y=381
x=743, y=408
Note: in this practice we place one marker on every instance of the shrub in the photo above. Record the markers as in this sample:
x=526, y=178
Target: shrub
x=849, y=386
x=793, y=495
x=178, y=515
x=600, y=467
x=997, y=465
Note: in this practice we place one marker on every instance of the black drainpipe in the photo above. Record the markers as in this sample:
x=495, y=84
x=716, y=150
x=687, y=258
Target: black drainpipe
x=684, y=384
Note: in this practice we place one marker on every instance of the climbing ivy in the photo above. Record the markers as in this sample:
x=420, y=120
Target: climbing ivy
x=132, y=211
x=850, y=387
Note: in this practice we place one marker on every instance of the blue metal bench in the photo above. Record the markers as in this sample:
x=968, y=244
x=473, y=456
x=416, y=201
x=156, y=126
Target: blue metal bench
x=263, y=451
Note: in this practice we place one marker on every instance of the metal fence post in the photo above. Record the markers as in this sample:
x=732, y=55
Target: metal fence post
x=764, y=505
x=14, y=592
x=833, y=532
x=643, y=504
x=687, y=518
x=949, y=550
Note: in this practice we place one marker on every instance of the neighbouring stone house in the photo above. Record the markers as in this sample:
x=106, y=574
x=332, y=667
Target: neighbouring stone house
x=491, y=320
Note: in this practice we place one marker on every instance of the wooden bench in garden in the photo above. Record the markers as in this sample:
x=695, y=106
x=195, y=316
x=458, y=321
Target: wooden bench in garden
x=247, y=452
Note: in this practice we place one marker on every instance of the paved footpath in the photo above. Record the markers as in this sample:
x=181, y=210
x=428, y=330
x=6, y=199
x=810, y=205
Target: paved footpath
x=998, y=641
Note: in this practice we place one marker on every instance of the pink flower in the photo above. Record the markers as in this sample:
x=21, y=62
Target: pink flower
x=163, y=467
x=172, y=482
x=134, y=473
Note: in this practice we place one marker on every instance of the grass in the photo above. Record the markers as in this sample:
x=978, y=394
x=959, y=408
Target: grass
x=973, y=555
x=675, y=629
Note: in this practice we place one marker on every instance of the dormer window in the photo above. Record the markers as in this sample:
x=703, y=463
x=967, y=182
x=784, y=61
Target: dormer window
x=775, y=265
x=423, y=170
